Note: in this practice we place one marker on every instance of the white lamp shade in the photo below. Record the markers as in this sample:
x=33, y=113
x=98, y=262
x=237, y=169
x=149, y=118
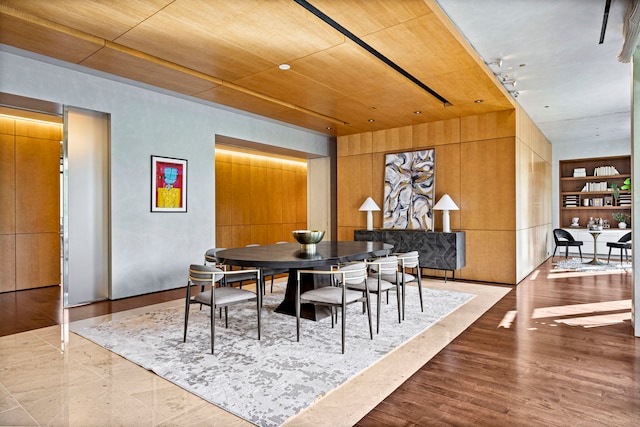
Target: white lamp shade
x=446, y=203
x=369, y=205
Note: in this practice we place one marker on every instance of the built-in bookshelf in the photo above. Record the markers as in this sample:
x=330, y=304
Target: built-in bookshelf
x=586, y=189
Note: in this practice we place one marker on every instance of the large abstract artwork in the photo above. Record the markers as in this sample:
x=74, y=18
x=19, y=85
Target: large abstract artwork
x=168, y=184
x=409, y=189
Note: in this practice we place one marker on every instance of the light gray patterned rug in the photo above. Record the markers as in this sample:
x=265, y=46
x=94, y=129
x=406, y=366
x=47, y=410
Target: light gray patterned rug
x=266, y=381
x=576, y=264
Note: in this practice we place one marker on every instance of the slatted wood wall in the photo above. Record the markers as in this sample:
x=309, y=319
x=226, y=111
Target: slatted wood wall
x=30, y=200
x=259, y=200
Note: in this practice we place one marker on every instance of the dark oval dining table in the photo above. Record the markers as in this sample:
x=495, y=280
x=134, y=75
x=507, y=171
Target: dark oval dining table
x=290, y=255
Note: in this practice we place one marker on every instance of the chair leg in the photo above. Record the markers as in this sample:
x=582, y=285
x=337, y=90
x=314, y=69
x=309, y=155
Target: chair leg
x=213, y=327
x=399, y=296
x=226, y=317
x=379, y=300
x=298, y=312
x=566, y=252
x=554, y=253
x=579, y=250
x=186, y=312
x=259, y=308
x=420, y=290
x=344, y=321
x=609, y=256
x=368, y=301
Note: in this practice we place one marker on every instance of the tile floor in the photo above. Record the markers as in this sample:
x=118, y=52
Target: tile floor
x=52, y=377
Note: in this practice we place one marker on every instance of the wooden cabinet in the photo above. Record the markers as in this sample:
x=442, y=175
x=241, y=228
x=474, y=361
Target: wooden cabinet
x=591, y=196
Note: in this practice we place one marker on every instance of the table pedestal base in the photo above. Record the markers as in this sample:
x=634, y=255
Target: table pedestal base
x=307, y=311
x=595, y=260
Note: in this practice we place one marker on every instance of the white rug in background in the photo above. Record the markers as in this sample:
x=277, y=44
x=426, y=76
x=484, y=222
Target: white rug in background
x=266, y=381
x=575, y=264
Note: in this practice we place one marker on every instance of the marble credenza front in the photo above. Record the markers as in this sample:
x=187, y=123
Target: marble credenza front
x=438, y=250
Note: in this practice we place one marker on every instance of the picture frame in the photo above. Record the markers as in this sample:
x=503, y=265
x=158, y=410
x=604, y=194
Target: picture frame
x=168, y=184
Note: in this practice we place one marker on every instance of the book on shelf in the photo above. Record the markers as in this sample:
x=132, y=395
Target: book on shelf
x=579, y=172
x=605, y=171
x=571, y=201
x=595, y=186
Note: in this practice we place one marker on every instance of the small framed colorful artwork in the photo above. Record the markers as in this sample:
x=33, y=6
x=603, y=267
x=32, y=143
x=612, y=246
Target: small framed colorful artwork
x=168, y=184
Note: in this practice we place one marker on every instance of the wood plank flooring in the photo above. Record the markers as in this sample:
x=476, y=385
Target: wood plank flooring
x=536, y=370
x=519, y=364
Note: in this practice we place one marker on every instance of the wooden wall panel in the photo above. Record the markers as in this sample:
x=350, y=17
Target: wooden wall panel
x=355, y=175
x=301, y=201
x=290, y=196
x=351, y=145
x=7, y=126
x=224, y=193
x=488, y=176
x=40, y=130
x=436, y=133
x=274, y=207
x=37, y=194
x=448, y=181
x=7, y=184
x=488, y=126
x=492, y=256
x=265, y=199
x=241, y=200
x=528, y=132
x=37, y=260
x=396, y=140
x=8, y=262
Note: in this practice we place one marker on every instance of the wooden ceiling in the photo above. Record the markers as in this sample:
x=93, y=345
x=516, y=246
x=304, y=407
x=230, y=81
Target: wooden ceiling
x=228, y=52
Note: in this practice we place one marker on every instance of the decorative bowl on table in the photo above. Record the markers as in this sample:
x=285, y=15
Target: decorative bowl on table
x=308, y=239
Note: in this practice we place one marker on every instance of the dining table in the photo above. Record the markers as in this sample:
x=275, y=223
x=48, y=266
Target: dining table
x=291, y=256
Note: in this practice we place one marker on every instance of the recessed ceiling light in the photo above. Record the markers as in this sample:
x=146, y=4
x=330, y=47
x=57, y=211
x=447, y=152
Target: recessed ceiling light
x=329, y=128
x=371, y=120
x=284, y=66
x=417, y=112
x=478, y=101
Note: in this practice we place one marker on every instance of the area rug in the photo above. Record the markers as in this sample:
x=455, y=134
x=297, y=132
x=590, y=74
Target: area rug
x=266, y=381
x=576, y=264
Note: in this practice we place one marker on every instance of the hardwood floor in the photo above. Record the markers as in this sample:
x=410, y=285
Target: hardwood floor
x=534, y=369
x=529, y=360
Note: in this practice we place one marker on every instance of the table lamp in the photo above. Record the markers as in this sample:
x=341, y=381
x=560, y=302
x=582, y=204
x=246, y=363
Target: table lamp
x=369, y=205
x=446, y=204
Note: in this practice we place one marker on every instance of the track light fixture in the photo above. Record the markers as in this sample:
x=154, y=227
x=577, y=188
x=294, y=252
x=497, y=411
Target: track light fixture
x=496, y=62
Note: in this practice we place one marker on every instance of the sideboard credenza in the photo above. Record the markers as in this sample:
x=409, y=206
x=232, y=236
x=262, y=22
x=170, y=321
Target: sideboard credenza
x=438, y=250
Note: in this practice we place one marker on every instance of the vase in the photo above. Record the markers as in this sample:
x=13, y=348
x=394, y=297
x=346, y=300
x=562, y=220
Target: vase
x=622, y=225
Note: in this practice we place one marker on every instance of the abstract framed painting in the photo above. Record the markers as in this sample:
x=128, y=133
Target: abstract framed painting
x=168, y=184
x=409, y=190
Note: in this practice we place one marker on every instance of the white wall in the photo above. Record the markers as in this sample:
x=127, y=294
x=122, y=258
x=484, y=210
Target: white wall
x=580, y=150
x=150, y=251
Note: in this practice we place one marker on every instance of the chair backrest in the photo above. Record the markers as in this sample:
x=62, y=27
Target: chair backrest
x=560, y=234
x=204, y=274
x=210, y=256
x=625, y=238
x=354, y=273
x=409, y=259
x=384, y=265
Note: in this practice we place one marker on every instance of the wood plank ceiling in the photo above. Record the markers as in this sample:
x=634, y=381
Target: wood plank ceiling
x=228, y=52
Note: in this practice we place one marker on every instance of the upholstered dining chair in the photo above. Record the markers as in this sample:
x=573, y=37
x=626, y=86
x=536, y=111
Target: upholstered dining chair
x=211, y=258
x=624, y=244
x=336, y=295
x=564, y=238
x=377, y=284
x=218, y=297
x=408, y=263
